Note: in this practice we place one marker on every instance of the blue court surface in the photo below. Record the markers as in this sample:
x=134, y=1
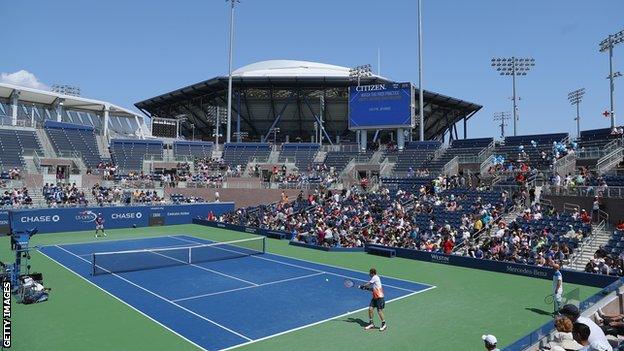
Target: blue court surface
x=225, y=303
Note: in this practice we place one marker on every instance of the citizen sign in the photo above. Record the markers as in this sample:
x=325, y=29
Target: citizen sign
x=373, y=87
x=40, y=219
x=127, y=215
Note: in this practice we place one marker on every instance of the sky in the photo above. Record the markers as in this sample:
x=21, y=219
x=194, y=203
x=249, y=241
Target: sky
x=127, y=51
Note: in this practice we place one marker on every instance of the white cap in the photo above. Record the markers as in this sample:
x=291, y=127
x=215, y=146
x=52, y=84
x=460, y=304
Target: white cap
x=490, y=339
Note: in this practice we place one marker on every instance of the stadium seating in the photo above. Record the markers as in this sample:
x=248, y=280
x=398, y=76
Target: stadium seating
x=543, y=143
x=339, y=160
x=197, y=149
x=416, y=155
x=128, y=154
x=596, y=138
x=239, y=154
x=302, y=153
x=67, y=137
x=13, y=143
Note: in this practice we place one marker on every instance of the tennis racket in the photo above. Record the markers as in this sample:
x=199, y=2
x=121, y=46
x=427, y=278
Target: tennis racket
x=549, y=299
x=348, y=283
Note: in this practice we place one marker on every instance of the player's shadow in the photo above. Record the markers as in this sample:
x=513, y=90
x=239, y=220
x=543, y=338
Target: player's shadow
x=538, y=311
x=359, y=321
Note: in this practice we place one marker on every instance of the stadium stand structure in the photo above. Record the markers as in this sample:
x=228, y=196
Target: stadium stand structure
x=240, y=154
x=67, y=137
x=14, y=143
x=197, y=149
x=543, y=142
x=339, y=160
x=302, y=153
x=128, y=154
x=416, y=155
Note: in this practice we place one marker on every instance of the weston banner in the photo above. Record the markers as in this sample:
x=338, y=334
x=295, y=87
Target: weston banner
x=52, y=220
x=381, y=106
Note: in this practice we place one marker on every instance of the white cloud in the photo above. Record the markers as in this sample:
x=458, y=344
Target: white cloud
x=23, y=78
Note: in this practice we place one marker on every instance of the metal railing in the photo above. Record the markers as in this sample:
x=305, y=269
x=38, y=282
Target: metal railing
x=486, y=164
x=565, y=165
x=451, y=167
x=24, y=123
x=585, y=191
x=610, y=160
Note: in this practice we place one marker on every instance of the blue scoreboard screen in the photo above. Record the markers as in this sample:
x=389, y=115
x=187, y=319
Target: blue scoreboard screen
x=381, y=106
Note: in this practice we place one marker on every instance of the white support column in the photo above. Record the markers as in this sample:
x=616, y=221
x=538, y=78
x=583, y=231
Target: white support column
x=57, y=105
x=140, y=124
x=363, y=137
x=106, y=118
x=400, y=138
x=14, y=106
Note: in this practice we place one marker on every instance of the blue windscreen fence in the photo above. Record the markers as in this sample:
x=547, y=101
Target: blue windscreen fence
x=52, y=220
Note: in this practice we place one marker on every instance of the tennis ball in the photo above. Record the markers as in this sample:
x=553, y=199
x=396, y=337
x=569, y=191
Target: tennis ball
x=326, y=279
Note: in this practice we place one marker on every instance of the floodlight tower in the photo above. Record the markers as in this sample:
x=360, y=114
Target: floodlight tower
x=421, y=112
x=229, y=107
x=358, y=72
x=607, y=45
x=503, y=117
x=513, y=66
x=575, y=97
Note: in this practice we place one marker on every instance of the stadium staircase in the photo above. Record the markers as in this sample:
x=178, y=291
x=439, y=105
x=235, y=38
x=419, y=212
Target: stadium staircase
x=600, y=236
x=46, y=145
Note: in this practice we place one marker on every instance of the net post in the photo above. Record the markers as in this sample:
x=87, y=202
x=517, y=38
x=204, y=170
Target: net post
x=93, y=264
x=190, y=249
x=264, y=244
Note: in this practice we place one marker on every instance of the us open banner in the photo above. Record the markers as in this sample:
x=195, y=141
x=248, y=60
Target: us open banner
x=51, y=220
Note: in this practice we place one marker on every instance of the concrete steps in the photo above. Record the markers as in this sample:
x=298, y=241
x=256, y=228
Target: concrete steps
x=599, y=237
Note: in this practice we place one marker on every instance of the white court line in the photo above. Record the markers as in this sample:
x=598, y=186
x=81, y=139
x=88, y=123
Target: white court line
x=208, y=269
x=122, y=301
x=165, y=299
x=248, y=287
x=306, y=268
x=321, y=321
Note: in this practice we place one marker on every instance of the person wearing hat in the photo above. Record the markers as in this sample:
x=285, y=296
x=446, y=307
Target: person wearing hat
x=490, y=342
x=595, y=336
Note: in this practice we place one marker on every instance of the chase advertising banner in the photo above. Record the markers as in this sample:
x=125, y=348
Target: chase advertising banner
x=53, y=220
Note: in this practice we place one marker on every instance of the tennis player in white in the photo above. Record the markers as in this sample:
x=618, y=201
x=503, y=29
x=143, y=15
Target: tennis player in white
x=557, y=287
x=378, y=302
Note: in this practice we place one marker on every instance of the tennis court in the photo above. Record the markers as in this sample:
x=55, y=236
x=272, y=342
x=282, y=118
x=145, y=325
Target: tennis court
x=220, y=296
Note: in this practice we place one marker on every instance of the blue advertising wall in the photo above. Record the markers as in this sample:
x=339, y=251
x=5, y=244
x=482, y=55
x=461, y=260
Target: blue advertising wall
x=574, y=277
x=51, y=220
x=377, y=106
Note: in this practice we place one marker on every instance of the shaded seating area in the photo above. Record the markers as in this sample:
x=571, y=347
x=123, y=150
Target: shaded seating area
x=196, y=149
x=128, y=154
x=416, y=155
x=302, y=153
x=14, y=144
x=597, y=138
x=240, y=154
x=68, y=137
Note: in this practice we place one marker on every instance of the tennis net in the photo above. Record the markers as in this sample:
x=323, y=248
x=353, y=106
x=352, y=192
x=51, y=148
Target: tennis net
x=136, y=260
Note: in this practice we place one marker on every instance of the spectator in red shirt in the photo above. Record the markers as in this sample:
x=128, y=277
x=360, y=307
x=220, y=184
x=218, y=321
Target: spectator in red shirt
x=620, y=225
x=585, y=217
x=448, y=246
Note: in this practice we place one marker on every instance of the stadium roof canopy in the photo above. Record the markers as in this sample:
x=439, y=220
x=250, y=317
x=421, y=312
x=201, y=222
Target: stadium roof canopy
x=45, y=97
x=289, y=92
